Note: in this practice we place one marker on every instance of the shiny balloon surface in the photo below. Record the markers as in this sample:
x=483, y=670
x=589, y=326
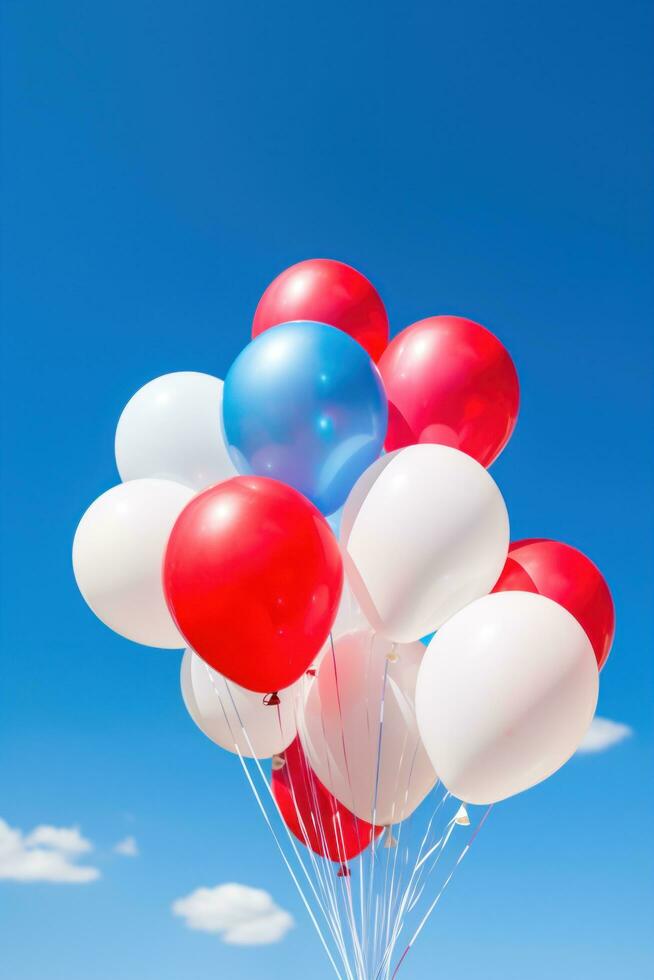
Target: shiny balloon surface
x=564, y=574
x=326, y=291
x=450, y=381
x=304, y=404
x=253, y=579
x=313, y=814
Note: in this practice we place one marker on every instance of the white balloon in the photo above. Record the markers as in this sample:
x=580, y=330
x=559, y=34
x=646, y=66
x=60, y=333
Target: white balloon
x=172, y=429
x=349, y=616
x=339, y=727
x=424, y=532
x=505, y=694
x=118, y=552
x=349, y=619
x=222, y=709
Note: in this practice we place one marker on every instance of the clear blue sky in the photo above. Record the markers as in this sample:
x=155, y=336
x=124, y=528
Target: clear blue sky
x=162, y=162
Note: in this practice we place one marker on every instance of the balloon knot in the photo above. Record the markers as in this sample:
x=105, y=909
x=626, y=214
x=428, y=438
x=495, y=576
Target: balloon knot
x=311, y=672
x=278, y=762
x=393, y=656
x=461, y=817
x=272, y=700
x=344, y=871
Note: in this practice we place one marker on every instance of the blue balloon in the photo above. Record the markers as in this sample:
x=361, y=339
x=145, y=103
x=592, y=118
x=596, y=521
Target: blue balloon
x=304, y=404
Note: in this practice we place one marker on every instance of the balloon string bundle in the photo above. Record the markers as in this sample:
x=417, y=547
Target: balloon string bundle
x=321, y=535
x=268, y=821
x=435, y=902
x=362, y=957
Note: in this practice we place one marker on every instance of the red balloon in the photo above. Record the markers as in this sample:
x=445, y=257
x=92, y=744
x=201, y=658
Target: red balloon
x=315, y=816
x=450, y=381
x=565, y=575
x=327, y=292
x=253, y=578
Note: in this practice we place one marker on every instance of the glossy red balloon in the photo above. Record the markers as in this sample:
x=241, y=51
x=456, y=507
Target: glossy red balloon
x=562, y=573
x=253, y=578
x=450, y=381
x=315, y=816
x=328, y=292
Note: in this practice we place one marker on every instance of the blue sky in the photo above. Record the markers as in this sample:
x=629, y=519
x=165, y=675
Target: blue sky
x=162, y=162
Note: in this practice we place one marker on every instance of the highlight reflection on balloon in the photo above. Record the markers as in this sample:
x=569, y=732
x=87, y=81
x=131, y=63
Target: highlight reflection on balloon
x=325, y=291
x=450, y=381
x=564, y=574
x=253, y=577
x=304, y=404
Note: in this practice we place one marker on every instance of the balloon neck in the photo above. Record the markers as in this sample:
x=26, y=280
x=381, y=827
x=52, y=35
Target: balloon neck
x=389, y=840
x=344, y=871
x=272, y=700
x=278, y=762
x=461, y=817
x=311, y=672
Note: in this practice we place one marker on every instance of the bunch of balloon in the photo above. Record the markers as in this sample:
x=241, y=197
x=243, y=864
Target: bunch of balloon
x=298, y=530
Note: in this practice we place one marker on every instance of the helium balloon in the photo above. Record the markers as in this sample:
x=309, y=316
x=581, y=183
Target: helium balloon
x=349, y=617
x=313, y=815
x=253, y=578
x=171, y=428
x=567, y=576
x=326, y=291
x=450, y=381
x=117, y=554
x=424, y=532
x=305, y=404
x=339, y=727
x=505, y=694
x=234, y=718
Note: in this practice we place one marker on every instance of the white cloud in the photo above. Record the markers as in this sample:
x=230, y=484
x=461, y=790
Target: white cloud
x=127, y=847
x=603, y=734
x=240, y=915
x=46, y=854
x=66, y=839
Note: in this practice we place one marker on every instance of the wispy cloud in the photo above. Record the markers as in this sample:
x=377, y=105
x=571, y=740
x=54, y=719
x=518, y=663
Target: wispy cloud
x=603, y=734
x=240, y=915
x=46, y=854
x=127, y=847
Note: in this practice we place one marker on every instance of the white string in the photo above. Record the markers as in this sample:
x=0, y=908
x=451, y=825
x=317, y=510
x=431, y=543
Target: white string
x=374, y=804
x=327, y=881
x=321, y=871
x=354, y=932
x=433, y=905
x=372, y=939
x=270, y=826
x=409, y=891
x=388, y=892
